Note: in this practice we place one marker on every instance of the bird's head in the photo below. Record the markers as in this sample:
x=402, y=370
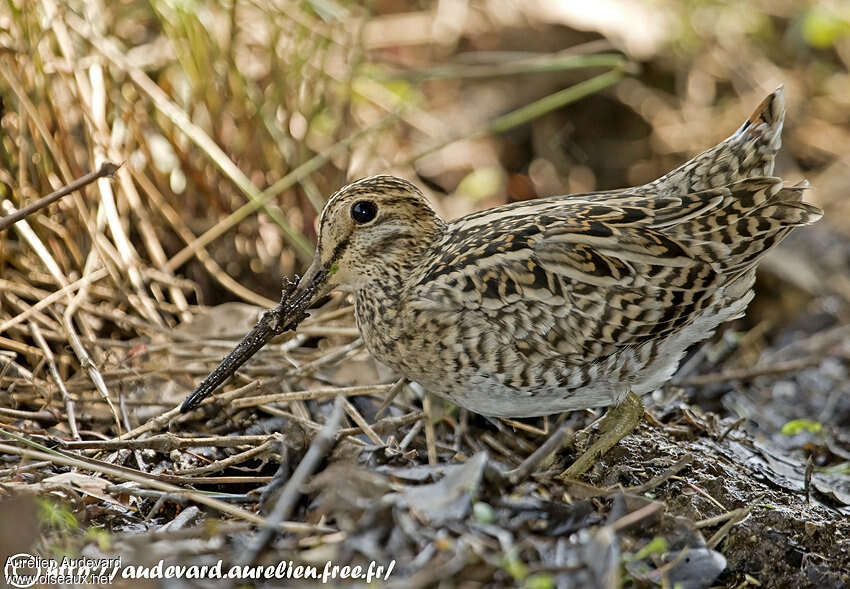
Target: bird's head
x=371, y=231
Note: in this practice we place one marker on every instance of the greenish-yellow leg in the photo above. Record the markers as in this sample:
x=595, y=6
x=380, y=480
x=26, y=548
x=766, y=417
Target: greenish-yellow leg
x=618, y=422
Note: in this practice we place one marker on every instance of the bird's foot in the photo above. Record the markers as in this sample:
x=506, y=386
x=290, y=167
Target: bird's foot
x=618, y=422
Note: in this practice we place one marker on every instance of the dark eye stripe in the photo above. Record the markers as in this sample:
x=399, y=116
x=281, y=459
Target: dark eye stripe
x=339, y=249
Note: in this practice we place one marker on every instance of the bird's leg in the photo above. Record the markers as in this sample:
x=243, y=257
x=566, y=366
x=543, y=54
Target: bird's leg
x=618, y=422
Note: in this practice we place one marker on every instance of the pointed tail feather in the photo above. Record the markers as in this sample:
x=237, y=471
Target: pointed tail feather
x=764, y=126
x=749, y=152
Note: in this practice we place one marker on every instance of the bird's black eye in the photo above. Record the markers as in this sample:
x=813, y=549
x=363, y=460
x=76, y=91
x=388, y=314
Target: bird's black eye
x=363, y=211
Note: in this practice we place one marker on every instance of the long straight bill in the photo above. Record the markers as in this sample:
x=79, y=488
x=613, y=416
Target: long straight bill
x=284, y=317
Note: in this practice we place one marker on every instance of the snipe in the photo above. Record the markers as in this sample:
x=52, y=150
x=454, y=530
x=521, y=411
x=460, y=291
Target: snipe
x=556, y=304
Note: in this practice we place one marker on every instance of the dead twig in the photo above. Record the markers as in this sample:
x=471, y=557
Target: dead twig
x=680, y=465
x=54, y=373
x=637, y=516
x=106, y=169
x=319, y=448
x=718, y=519
x=807, y=480
x=329, y=358
x=392, y=393
x=561, y=436
x=239, y=458
x=83, y=356
x=364, y=426
x=732, y=427
x=738, y=515
x=122, y=474
x=314, y=394
x=164, y=419
x=167, y=442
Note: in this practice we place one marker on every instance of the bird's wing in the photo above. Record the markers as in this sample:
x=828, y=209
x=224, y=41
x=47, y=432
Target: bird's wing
x=586, y=277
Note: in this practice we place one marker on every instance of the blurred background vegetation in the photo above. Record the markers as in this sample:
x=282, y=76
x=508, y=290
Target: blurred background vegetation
x=236, y=120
